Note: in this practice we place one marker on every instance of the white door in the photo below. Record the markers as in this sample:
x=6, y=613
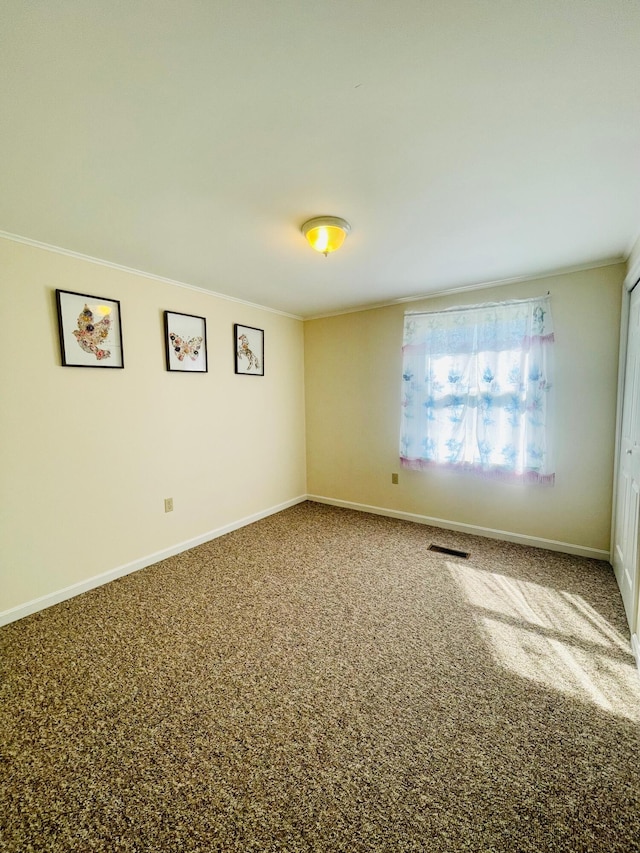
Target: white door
x=627, y=528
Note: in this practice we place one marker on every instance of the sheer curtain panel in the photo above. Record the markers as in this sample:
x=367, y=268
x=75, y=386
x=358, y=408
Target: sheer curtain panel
x=477, y=390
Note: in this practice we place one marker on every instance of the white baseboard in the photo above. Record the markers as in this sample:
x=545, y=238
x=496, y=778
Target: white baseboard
x=635, y=648
x=22, y=610
x=49, y=600
x=504, y=535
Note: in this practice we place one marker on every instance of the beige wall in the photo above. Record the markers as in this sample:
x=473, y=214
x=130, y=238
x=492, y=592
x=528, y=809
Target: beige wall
x=87, y=456
x=352, y=381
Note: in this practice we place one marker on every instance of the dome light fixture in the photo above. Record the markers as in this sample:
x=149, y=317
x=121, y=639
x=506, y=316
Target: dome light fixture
x=326, y=233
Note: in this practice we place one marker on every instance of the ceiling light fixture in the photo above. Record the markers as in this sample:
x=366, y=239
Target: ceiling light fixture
x=326, y=233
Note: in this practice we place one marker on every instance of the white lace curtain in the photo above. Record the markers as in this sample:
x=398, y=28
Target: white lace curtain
x=477, y=385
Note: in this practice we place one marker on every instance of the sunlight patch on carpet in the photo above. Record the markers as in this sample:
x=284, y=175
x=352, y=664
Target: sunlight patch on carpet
x=552, y=637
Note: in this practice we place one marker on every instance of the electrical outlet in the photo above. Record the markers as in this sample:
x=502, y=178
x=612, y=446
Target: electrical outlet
x=394, y=479
x=168, y=504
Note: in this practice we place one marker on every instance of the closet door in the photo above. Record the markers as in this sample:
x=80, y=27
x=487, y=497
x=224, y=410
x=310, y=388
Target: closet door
x=627, y=529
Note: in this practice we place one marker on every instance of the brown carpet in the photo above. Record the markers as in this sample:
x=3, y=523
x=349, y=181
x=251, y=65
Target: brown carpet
x=319, y=681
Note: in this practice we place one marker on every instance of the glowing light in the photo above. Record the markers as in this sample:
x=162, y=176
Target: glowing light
x=326, y=233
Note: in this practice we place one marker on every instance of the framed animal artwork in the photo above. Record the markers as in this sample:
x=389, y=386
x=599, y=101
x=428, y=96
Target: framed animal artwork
x=90, y=330
x=249, y=350
x=186, y=342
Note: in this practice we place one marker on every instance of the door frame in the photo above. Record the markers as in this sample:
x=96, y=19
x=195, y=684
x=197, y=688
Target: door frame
x=632, y=279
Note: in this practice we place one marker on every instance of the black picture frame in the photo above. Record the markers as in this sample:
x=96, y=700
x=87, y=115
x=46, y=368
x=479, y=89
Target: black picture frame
x=185, y=337
x=90, y=329
x=248, y=346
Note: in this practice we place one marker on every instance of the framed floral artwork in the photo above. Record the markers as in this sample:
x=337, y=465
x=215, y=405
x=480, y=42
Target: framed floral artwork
x=249, y=350
x=186, y=342
x=90, y=330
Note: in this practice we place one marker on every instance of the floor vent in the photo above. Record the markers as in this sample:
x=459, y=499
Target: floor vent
x=450, y=551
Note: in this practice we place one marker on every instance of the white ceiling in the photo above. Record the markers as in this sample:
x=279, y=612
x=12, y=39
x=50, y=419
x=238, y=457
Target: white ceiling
x=466, y=141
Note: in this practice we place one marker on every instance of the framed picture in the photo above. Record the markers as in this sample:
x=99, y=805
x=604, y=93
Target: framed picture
x=249, y=350
x=90, y=330
x=186, y=342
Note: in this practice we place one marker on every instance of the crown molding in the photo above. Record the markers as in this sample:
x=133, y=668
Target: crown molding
x=633, y=270
x=433, y=294
x=16, y=238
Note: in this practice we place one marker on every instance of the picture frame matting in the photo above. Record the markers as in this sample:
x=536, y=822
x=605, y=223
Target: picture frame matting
x=90, y=329
x=185, y=338
x=248, y=350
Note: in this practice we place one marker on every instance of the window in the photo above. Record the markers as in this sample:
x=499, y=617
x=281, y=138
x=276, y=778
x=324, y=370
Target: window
x=476, y=390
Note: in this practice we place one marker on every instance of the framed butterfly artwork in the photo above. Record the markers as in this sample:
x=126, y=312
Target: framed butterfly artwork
x=90, y=330
x=186, y=342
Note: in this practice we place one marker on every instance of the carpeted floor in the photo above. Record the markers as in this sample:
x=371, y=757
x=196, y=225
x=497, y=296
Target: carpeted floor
x=320, y=681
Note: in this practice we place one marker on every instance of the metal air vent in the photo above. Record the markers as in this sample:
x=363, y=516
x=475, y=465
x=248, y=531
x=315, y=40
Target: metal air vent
x=451, y=552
